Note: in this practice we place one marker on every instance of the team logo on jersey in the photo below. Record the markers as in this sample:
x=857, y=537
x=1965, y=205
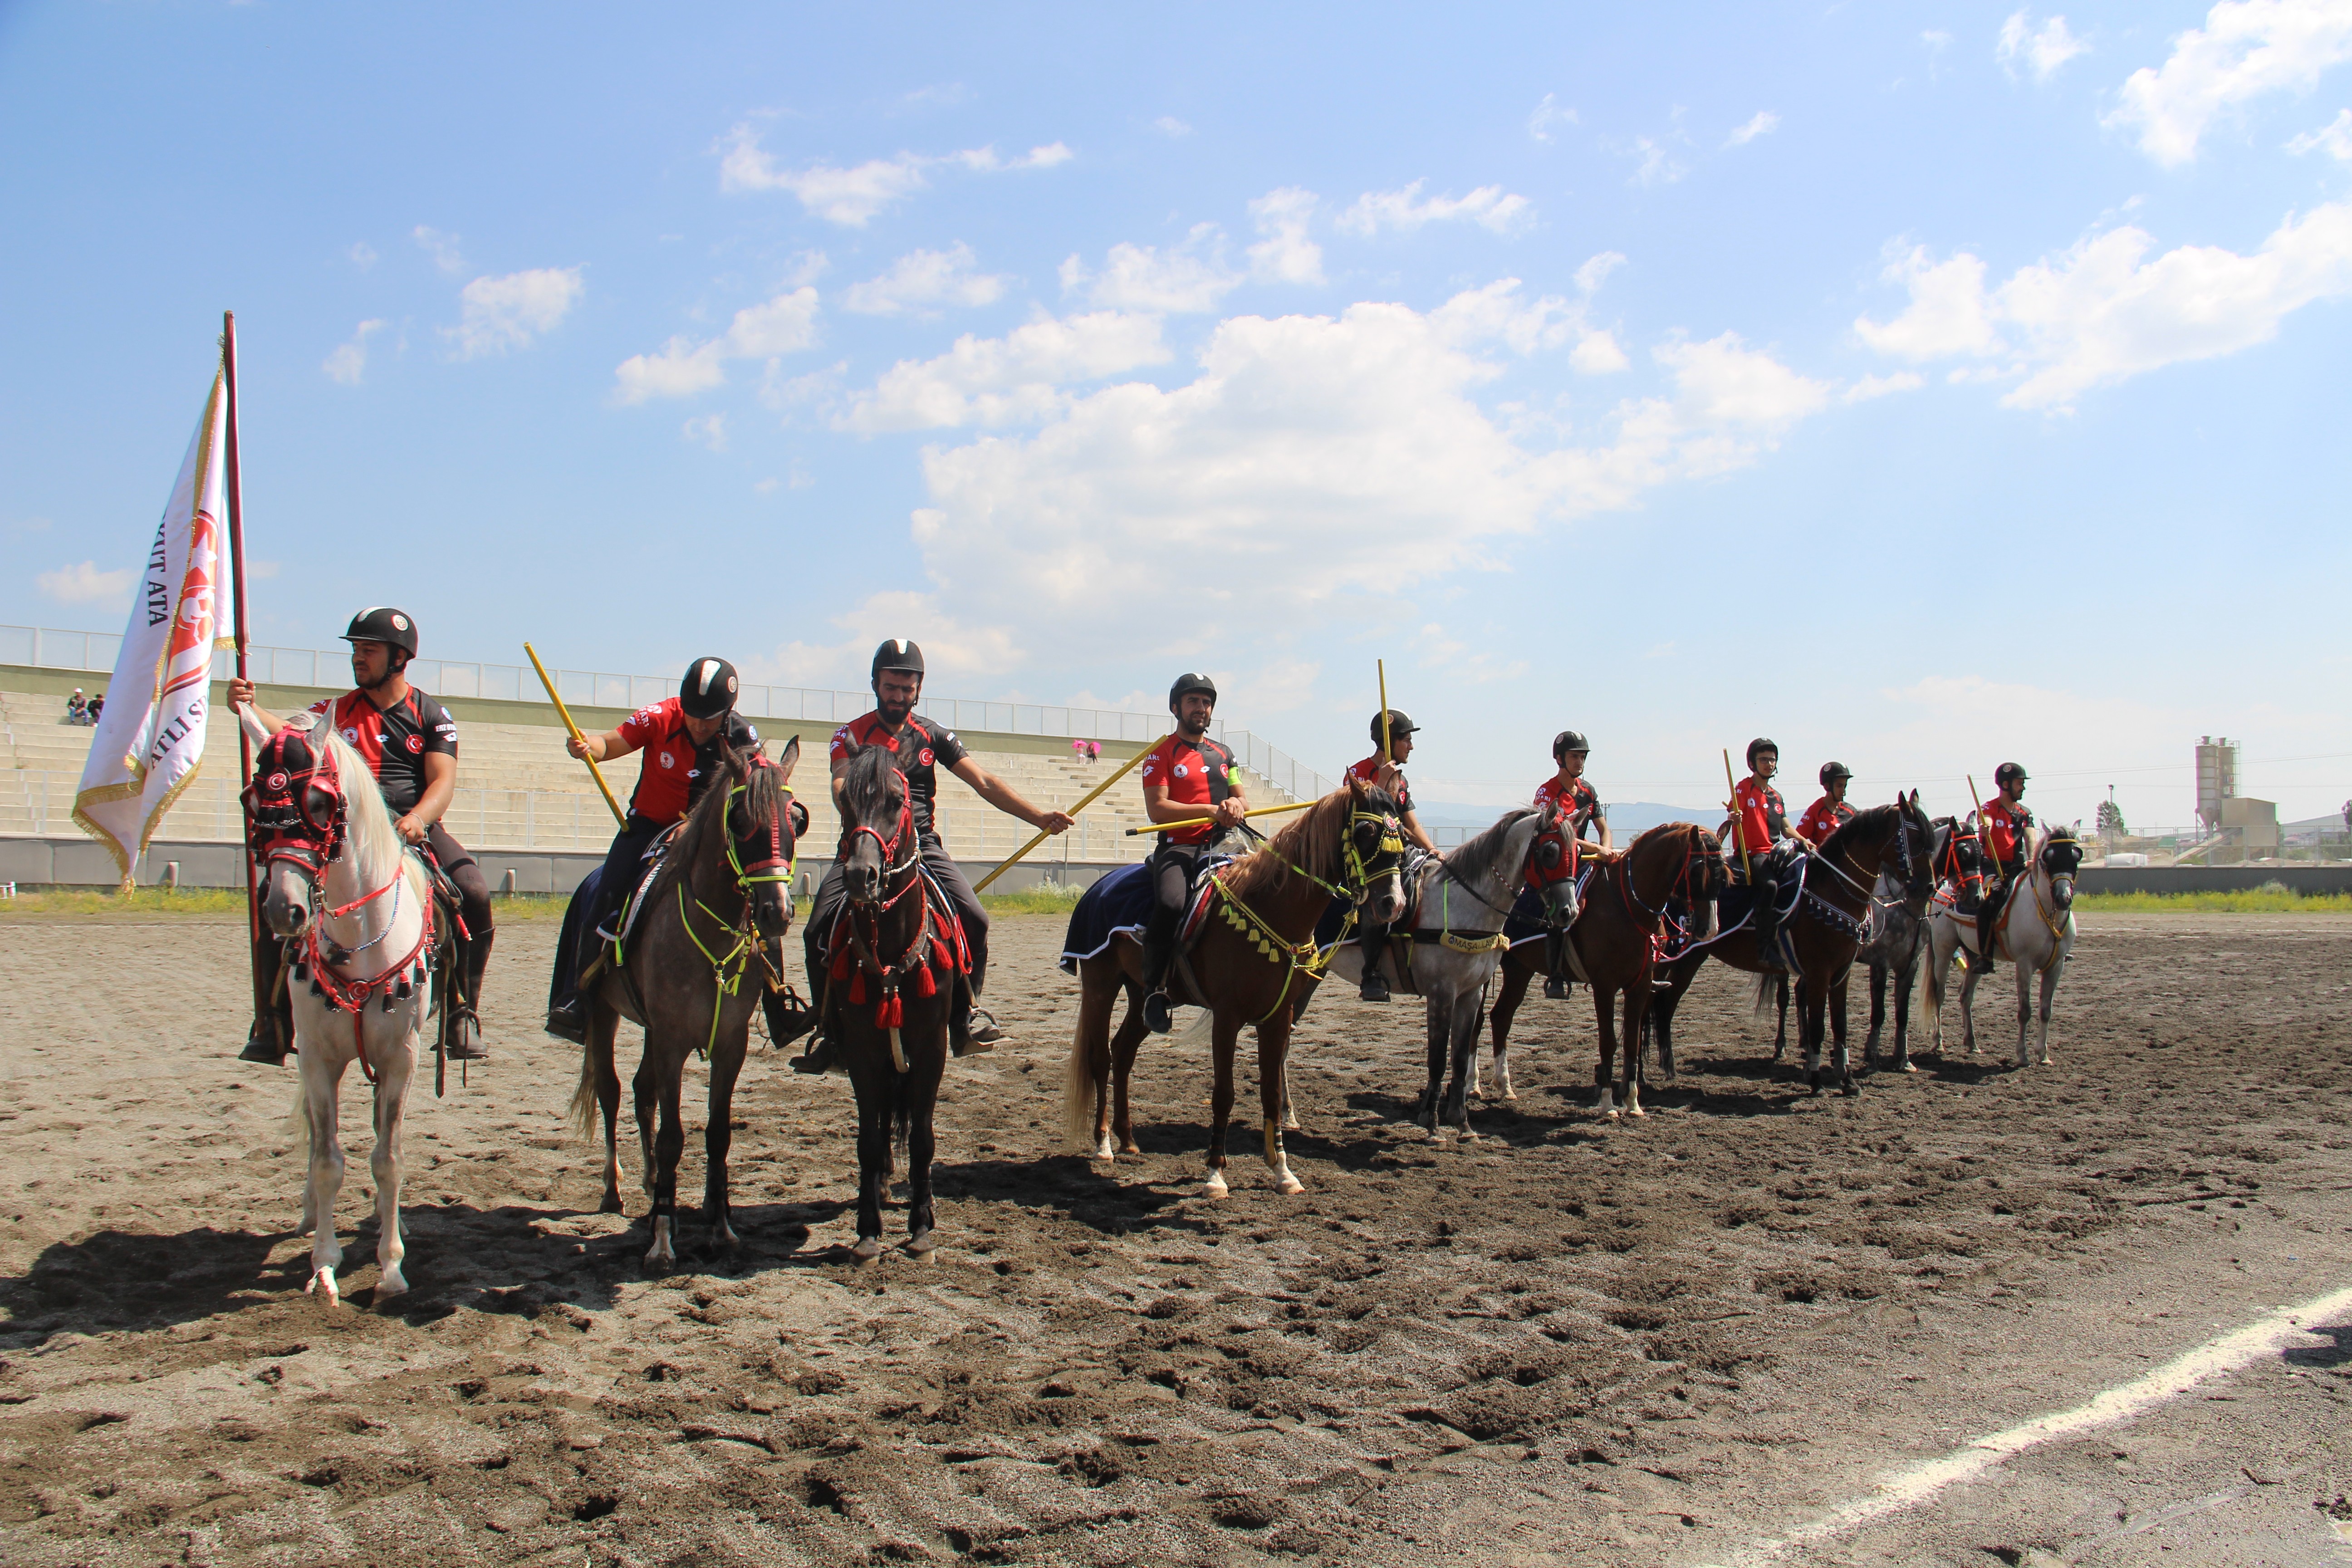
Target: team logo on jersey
x=1184, y=769
x=415, y=744
x=668, y=761
x=350, y=734
x=924, y=756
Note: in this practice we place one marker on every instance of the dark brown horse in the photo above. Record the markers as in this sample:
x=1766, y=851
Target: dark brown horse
x=894, y=954
x=692, y=971
x=1610, y=948
x=1825, y=930
x=1254, y=954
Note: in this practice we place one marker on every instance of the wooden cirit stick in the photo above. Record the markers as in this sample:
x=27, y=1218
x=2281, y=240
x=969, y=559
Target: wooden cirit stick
x=565, y=714
x=1197, y=821
x=1087, y=800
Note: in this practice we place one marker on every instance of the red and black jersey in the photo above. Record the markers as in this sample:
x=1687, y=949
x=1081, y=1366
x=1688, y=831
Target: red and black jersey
x=1577, y=801
x=676, y=769
x=1197, y=772
x=395, y=740
x=1823, y=817
x=1762, y=815
x=1368, y=770
x=922, y=747
x=2006, y=826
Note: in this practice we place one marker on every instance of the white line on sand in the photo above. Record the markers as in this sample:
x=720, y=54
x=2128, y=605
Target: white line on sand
x=1904, y=1488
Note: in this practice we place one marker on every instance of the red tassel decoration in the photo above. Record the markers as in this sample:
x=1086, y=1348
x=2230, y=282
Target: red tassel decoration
x=940, y=956
x=841, y=964
x=891, y=1014
x=857, y=987
x=924, y=985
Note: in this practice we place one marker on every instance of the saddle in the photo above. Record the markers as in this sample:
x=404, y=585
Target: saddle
x=613, y=950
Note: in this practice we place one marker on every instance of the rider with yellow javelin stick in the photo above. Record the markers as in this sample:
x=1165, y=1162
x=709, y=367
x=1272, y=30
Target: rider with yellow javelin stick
x=1393, y=732
x=1187, y=777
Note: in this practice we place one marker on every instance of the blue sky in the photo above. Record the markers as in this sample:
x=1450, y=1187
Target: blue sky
x=1920, y=385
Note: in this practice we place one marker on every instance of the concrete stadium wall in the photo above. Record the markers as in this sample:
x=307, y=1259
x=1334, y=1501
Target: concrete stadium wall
x=2213, y=879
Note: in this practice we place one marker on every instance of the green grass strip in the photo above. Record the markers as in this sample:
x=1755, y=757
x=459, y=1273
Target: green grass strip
x=2253, y=901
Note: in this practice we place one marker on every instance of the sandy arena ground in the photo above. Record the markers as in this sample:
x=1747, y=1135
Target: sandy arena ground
x=1669, y=1341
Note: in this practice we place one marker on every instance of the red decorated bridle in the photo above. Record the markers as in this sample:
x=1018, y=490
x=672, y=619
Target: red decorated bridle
x=855, y=956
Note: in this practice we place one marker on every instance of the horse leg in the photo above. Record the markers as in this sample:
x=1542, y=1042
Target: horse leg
x=1780, y=1038
x=1658, y=1018
x=393, y=1075
x=2024, y=1010
x=1877, y=1013
x=2049, y=989
x=1604, y=1008
x=1123, y=1048
x=646, y=1086
x=922, y=1087
x=1273, y=1069
x=1431, y=1110
x=874, y=1088
x=1968, y=1007
x=1226, y=1029
x=1508, y=997
x=718, y=1136
x=1460, y=1021
x=1905, y=976
x=322, y=1116
x=603, y=1023
x=1088, y=1089
x=669, y=1146
x=1637, y=1006
x=1839, y=1062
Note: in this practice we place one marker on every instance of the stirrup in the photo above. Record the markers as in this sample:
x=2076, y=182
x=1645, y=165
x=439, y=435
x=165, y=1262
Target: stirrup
x=569, y=1021
x=1555, y=988
x=819, y=1058
x=1374, y=988
x=262, y=1047
x=966, y=1038
x=466, y=1037
x=1157, y=1016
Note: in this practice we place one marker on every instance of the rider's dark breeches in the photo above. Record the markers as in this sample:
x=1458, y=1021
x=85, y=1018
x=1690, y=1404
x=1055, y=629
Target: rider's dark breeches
x=831, y=894
x=583, y=917
x=473, y=906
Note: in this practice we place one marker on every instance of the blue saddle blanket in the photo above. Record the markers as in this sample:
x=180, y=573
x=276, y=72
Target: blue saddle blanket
x=1120, y=901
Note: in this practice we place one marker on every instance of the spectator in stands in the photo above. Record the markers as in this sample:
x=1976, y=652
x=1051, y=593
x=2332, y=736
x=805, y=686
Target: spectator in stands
x=97, y=708
x=77, y=707
x=1079, y=749
x=1094, y=751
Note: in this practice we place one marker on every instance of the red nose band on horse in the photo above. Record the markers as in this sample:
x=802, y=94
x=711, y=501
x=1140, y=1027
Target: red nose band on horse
x=295, y=802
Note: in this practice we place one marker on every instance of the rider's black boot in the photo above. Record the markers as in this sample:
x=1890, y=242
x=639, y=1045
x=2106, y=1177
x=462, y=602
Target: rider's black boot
x=466, y=1037
x=1374, y=947
x=822, y=1054
x=465, y=1025
x=568, y=1020
x=261, y=1045
x=1981, y=959
x=1555, y=957
x=273, y=1014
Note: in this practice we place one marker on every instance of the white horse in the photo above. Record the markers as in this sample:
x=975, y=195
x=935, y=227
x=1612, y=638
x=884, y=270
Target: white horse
x=2035, y=933
x=345, y=892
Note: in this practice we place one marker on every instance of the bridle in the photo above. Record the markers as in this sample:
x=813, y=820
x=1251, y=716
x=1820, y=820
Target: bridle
x=856, y=936
x=773, y=865
x=1362, y=872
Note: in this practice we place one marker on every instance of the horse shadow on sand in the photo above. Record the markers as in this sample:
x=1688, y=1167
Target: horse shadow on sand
x=512, y=1258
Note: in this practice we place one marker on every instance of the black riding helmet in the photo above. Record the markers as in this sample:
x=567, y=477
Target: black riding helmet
x=1187, y=683
x=1760, y=744
x=2007, y=771
x=1835, y=771
x=708, y=688
x=382, y=623
x=1400, y=723
x=1569, y=741
x=896, y=654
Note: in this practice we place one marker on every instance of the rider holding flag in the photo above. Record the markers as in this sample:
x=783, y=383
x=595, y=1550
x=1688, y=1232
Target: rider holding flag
x=2008, y=829
x=685, y=739
x=1396, y=729
x=409, y=743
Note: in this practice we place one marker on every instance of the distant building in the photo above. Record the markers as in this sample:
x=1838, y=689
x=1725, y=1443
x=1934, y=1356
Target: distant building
x=2251, y=828
x=2217, y=779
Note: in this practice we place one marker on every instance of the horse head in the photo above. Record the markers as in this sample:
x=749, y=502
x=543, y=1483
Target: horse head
x=1374, y=848
x=1552, y=867
x=762, y=833
x=1908, y=855
x=877, y=838
x=2061, y=857
x=295, y=822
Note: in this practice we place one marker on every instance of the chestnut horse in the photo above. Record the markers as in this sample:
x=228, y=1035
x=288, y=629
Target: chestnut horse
x=1825, y=929
x=1612, y=949
x=1250, y=964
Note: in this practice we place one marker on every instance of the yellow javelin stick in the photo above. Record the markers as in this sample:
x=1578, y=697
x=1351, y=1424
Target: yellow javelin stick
x=1084, y=800
x=1197, y=821
x=1738, y=828
x=1382, y=665
x=565, y=714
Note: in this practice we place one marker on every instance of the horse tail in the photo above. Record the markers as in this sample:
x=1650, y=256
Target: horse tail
x=1079, y=1091
x=1765, y=1003
x=581, y=1120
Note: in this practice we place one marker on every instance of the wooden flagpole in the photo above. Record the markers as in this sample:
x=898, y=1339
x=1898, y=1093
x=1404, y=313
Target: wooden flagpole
x=236, y=601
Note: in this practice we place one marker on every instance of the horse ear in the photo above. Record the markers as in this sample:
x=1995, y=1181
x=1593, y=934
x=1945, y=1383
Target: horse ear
x=789, y=758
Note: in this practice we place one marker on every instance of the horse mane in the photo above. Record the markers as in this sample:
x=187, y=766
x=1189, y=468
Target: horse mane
x=711, y=809
x=377, y=851
x=1313, y=840
x=1474, y=858
x=1871, y=820
x=865, y=785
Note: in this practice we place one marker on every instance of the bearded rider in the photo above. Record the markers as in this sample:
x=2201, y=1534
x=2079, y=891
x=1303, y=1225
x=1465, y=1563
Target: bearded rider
x=921, y=746
x=410, y=744
x=1388, y=772
x=684, y=740
x=1830, y=813
x=1764, y=846
x=1568, y=792
x=1185, y=776
x=2008, y=832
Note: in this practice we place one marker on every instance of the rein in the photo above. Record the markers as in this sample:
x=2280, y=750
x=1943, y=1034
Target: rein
x=1295, y=956
x=856, y=956
x=728, y=968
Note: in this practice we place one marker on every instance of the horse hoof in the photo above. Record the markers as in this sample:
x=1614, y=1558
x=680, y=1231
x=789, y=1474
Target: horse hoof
x=324, y=1278
x=921, y=1244
x=660, y=1259
x=1103, y=1151
x=612, y=1204
x=393, y=1286
x=724, y=1235
x=1214, y=1187
x=1288, y=1184
x=866, y=1252
x=1292, y=1124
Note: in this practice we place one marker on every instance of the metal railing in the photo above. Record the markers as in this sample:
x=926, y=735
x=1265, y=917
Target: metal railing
x=42, y=648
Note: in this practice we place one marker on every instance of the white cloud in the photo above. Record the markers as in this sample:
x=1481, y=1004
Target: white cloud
x=508, y=312
x=348, y=361
x=921, y=281
x=1285, y=255
x=1597, y=353
x=2335, y=138
x=1764, y=124
x=1169, y=125
x=1191, y=277
x=1658, y=164
x=707, y=431
x=2246, y=48
x=84, y=584
x=2041, y=49
x=1871, y=387
x=785, y=324
x=363, y=255
x=1313, y=464
x=1546, y=114
x=441, y=247
x=2106, y=310
x=1012, y=379
x=853, y=196
x=1487, y=206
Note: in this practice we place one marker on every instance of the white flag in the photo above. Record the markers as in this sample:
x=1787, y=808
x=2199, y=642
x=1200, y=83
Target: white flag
x=150, y=739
